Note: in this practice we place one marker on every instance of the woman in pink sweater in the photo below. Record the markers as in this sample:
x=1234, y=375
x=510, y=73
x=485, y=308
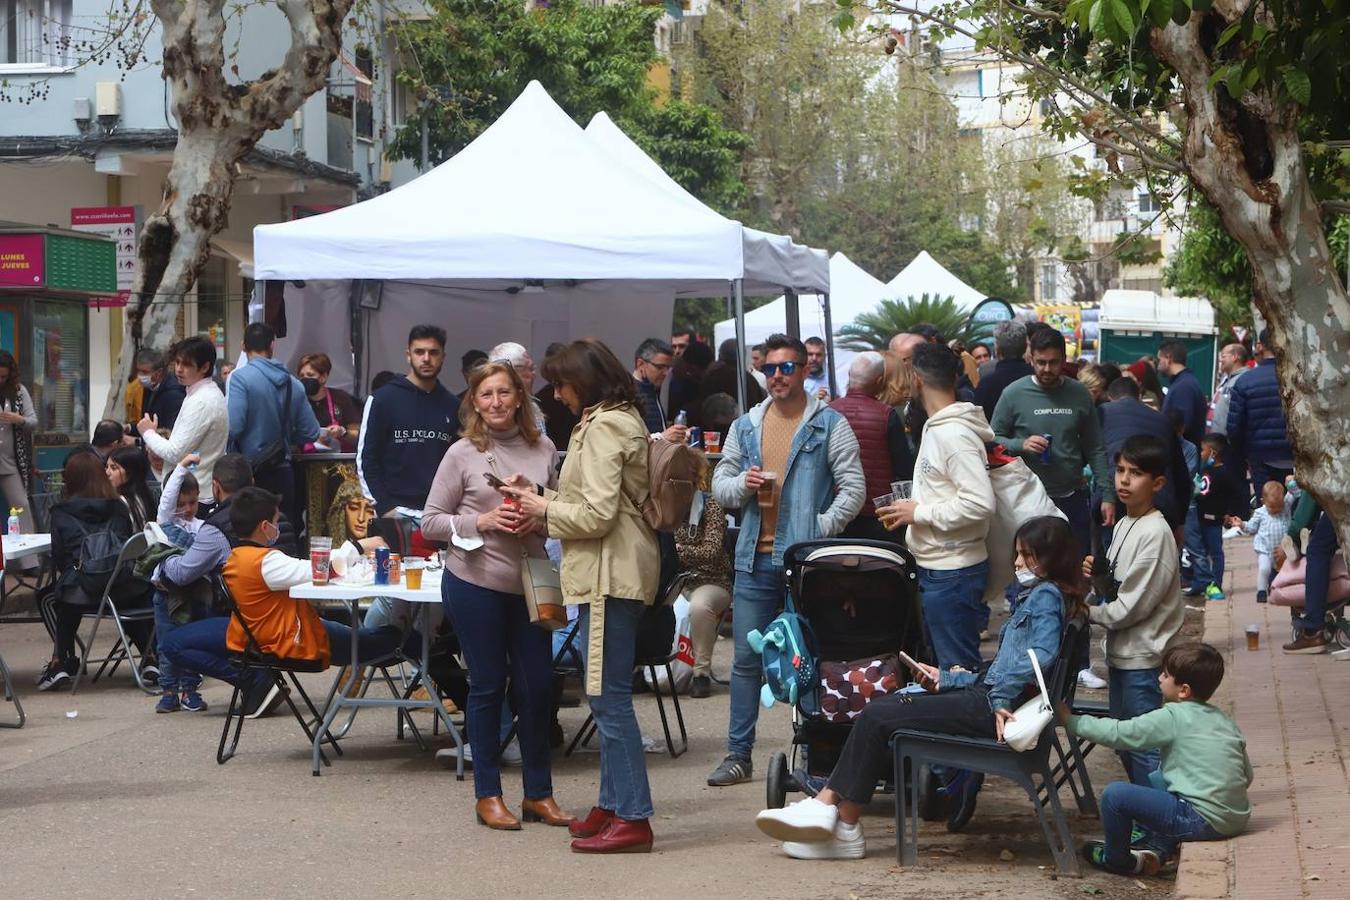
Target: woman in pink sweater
x=482, y=590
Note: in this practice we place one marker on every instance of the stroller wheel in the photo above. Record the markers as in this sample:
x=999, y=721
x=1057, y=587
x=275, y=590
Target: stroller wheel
x=1340, y=632
x=776, y=781
x=932, y=807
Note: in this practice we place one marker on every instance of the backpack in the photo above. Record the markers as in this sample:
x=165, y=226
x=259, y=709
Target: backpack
x=787, y=648
x=1019, y=497
x=674, y=472
x=100, y=545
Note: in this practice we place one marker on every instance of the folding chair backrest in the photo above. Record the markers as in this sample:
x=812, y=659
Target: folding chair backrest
x=1064, y=674
x=132, y=549
x=222, y=590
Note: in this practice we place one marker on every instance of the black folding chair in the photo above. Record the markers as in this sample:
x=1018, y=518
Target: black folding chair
x=274, y=668
x=1029, y=768
x=11, y=695
x=132, y=550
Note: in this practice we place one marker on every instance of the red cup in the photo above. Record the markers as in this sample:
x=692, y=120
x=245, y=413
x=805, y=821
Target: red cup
x=320, y=566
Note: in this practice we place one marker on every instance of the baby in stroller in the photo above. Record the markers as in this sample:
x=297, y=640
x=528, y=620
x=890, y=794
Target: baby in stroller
x=975, y=704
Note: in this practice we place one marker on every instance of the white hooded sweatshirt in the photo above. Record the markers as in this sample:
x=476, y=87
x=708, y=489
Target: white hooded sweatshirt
x=952, y=489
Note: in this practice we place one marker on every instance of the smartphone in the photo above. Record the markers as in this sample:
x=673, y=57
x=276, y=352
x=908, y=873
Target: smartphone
x=494, y=480
x=910, y=661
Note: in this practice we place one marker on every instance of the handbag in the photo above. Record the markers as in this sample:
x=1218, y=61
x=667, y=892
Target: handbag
x=1023, y=731
x=847, y=687
x=541, y=583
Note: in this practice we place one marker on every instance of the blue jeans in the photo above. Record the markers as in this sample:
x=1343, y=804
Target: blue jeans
x=172, y=678
x=1167, y=820
x=1211, y=539
x=1322, y=545
x=498, y=641
x=756, y=598
x=623, y=767
x=1263, y=472
x=954, y=613
x=200, y=647
x=1195, y=549
x=371, y=643
x=1133, y=692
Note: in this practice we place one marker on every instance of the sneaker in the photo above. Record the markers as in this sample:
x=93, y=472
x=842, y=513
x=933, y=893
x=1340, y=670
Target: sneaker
x=1307, y=643
x=1341, y=654
x=806, y=821
x=810, y=785
x=846, y=842
x=700, y=687
x=1260, y=596
x=150, y=674
x=168, y=703
x=733, y=770
x=1142, y=862
x=191, y=701
x=1193, y=591
x=1214, y=592
x=54, y=673
x=262, y=699
x=1090, y=679
x=448, y=757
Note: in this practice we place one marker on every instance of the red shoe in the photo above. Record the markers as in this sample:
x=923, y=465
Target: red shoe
x=622, y=836
x=595, y=822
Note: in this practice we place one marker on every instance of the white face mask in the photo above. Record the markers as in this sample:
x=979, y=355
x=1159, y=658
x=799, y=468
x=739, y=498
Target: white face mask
x=145, y=381
x=1026, y=577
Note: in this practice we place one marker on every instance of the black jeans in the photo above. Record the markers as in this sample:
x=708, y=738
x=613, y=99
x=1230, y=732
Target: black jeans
x=866, y=757
x=62, y=610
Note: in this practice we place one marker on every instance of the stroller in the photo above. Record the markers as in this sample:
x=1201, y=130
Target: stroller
x=861, y=599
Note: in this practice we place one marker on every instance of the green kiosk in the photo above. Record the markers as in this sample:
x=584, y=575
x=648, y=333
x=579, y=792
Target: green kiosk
x=1134, y=323
x=49, y=276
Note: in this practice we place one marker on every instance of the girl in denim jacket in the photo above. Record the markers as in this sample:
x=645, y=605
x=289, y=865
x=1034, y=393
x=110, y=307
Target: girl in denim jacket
x=976, y=704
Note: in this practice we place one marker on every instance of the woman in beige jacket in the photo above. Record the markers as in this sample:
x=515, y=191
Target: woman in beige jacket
x=610, y=566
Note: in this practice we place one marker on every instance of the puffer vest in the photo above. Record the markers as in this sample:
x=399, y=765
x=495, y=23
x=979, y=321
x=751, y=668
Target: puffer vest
x=867, y=417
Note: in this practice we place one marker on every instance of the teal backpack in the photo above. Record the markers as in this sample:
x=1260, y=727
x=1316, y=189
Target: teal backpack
x=788, y=650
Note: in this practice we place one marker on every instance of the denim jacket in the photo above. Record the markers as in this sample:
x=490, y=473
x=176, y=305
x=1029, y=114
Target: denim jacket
x=823, y=483
x=1036, y=622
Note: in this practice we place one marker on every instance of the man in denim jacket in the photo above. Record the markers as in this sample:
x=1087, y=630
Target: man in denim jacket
x=791, y=466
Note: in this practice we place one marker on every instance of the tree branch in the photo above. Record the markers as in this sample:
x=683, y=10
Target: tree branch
x=313, y=48
x=1336, y=206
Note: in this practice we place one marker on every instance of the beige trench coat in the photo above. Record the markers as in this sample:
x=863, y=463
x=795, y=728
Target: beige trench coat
x=607, y=548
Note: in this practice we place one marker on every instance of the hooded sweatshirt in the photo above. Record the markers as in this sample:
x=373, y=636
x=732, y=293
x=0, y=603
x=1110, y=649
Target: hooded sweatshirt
x=404, y=435
x=952, y=489
x=71, y=520
x=257, y=393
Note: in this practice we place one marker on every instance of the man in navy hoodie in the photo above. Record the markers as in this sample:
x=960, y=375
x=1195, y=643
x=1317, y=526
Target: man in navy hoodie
x=1258, y=434
x=407, y=427
x=1184, y=394
x=257, y=406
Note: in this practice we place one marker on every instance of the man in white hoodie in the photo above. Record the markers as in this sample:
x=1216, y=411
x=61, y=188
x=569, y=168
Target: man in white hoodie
x=949, y=511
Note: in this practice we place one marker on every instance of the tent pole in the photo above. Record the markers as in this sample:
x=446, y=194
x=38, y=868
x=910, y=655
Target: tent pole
x=829, y=345
x=794, y=314
x=738, y=300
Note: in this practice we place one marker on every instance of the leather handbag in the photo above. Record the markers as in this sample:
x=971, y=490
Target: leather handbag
x=1023, y=730
x=543, y=592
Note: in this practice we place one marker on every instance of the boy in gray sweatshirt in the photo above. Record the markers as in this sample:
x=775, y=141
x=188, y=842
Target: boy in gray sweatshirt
x=1146, y=612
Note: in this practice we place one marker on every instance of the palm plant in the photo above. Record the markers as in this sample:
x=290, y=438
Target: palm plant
x=874, y=330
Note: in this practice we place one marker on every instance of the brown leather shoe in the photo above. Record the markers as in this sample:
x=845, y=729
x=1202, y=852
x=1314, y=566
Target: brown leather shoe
x=492, y=812
x=622, y=836
x=546, y=811
x=595, y=822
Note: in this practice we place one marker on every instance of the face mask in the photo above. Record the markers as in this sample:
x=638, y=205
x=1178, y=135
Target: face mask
x=1209, y=462
x=311, y=386
x=145, y=381
x=1291, y=486
x=276, y=536
x=1026, y=577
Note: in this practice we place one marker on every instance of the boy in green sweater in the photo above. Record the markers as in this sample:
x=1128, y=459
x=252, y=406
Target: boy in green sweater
x=1199, y=794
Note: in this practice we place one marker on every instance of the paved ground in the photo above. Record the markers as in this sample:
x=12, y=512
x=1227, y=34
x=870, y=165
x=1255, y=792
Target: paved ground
x=1294, y=713
x=119, y=801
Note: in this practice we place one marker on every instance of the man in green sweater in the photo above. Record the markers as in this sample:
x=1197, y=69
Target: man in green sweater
x=1200, y=792
x=1046, y=403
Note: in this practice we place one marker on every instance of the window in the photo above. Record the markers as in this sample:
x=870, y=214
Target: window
x=365, y=114
x=1049, y=281
x=35, y=32
x=59, y=360
x=1148, y=204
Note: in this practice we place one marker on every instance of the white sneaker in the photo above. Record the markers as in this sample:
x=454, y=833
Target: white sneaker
x=846, y=843
x=806, y=820
x=1340, y=654
x=1089, y=679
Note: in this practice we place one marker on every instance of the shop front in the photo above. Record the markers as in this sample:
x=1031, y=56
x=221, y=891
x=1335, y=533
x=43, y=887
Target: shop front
x=49, y=277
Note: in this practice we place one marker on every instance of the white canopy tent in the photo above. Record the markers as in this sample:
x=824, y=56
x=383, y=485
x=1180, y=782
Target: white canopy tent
x=853, y=291
x=925, y=275
x=528, y=234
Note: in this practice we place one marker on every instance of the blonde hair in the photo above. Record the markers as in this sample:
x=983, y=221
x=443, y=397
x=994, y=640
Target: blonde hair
x=898, y=388
x=474, y=429
x=1090, y=376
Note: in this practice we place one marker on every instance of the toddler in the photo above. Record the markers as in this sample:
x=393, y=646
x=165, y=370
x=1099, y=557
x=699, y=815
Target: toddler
x=1269, y=523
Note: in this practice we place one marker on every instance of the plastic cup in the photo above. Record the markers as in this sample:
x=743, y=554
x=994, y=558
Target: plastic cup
x=412, y=574
x=320, y=559
x=1253, y=637
x=878, y=503
x=902, y=489
x=712, y=441
x=766, y=500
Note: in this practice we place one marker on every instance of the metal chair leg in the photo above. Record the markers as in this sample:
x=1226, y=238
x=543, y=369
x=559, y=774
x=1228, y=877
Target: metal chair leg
x=234, y=711
x=12, y=695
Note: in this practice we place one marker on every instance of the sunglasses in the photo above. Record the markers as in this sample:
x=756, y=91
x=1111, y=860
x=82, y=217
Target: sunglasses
x=772, y=369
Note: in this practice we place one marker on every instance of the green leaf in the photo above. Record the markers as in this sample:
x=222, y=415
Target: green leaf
x=1095, y=16
x=1299, y=85
x=1233, y=81
x=1124, y=16
x=1229, y=33
x=1160, y=11
x=1181, y=12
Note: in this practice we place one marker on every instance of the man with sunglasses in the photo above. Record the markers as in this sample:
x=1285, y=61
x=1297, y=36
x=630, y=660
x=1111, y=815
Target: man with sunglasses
x=817, y=490
x=651, y=367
